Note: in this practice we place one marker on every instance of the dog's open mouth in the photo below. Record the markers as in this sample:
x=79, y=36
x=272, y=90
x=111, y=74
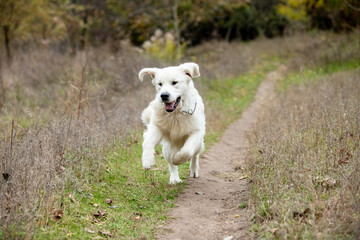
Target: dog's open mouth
x=171, y=106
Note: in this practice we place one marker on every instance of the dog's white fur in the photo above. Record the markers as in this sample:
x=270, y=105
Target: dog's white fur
x=181, y=134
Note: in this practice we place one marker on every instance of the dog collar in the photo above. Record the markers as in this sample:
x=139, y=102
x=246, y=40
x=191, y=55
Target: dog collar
x=190, y=111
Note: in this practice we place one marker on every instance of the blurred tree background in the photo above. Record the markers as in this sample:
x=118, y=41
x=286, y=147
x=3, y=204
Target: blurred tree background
x=69, y=94
x=75, y=24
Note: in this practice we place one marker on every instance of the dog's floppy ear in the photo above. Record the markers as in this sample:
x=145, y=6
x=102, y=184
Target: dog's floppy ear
x=191, y=69
x=147, y=71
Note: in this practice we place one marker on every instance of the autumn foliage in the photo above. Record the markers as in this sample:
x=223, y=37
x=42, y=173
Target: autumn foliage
x=78, y=23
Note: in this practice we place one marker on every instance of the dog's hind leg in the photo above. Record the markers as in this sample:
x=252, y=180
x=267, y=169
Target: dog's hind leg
x=192, y=146
x=174, y=174
x=194, y=166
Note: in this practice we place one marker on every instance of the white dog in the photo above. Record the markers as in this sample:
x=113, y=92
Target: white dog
x=176, y=118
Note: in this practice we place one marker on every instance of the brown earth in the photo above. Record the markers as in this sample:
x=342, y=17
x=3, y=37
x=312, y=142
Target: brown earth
x=209, y=207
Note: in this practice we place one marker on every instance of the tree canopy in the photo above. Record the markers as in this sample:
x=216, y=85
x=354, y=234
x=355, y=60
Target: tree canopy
x=83, y=22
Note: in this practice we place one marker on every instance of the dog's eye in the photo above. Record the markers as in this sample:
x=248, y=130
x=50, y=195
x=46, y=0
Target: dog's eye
x=174, y=83
x=160, y=84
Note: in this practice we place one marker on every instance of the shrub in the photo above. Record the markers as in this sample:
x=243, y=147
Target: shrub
x=164, y=46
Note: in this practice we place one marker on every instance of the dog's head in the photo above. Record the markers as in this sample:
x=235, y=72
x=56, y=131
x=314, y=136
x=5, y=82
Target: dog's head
x=171, y=83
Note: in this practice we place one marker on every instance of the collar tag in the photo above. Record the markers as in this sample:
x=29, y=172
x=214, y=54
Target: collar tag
x=190, y=111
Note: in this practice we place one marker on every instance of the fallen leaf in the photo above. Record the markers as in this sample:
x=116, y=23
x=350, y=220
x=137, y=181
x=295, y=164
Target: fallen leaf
x=134, y=141
x=99, y=213
x=243, y=177
x=137, y=218
x=341, y=161
x=89, y=230
x=105, y=233
x=305, y=213
x=95, y=204
x=61, y=169
x=112, y=207
x=102, y=213
x=328, y=183
x=6, y=176
x=72, y=198
x=239, y=168
x=108, y=201
x=236, y=216
x=58, y=214
x=96, y=214
x=95, y=220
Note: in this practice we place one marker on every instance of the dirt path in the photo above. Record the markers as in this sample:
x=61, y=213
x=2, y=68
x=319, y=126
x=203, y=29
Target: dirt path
x=209, y=207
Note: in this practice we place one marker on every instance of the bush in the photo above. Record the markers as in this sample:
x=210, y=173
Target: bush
x=163, y=46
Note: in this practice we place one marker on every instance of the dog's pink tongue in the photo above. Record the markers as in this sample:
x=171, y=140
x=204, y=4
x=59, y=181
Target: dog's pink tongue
x=169, y=106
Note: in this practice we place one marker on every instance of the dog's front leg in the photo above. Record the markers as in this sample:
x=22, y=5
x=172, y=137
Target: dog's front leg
x=152, y=137
x=191, y=147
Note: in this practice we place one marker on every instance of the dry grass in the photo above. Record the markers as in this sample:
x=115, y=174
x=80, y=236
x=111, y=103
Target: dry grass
x=222, y=60
x=63, y=112
x=306, y=162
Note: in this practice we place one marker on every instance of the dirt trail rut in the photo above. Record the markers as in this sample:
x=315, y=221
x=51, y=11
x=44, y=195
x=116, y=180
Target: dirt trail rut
x=209, y=207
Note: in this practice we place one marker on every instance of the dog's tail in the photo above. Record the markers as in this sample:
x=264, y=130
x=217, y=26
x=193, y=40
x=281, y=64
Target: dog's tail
x=145, y=116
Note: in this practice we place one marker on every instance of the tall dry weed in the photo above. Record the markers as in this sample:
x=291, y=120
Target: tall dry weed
x=60, y=115
x=306, y=161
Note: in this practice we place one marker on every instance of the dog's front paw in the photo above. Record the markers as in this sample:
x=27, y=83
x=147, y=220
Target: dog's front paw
x=148, y=162
x=180, y=157
x=175, y=180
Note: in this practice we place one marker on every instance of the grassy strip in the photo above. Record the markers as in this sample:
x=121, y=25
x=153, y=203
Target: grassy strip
x=314, y=74
x=226, y=99
x=305, y=159
x=140, y=199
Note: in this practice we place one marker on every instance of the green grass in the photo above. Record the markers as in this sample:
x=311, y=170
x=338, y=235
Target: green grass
x=140, y=200
x=243, y=205
x=226, y=99
x=316, y=73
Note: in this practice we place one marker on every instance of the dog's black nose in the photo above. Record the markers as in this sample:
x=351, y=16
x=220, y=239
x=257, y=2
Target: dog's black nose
x=165, y=96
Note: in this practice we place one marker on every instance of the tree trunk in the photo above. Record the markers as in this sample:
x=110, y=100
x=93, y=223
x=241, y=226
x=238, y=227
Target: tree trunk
x=6, y=29
x=176, y=25
x=84, y=30
x=228, y=32
x=2, y=89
